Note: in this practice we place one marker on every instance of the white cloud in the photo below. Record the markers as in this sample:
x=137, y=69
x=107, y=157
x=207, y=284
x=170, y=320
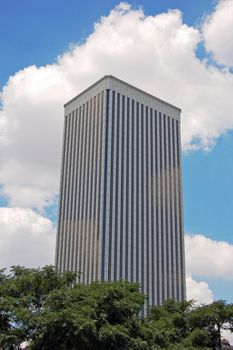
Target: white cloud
x=27, y=238
x=198, y=291
x=31, y=135
x=156, y=53
x=228, y=335
x=206, y=257
x=217, y=31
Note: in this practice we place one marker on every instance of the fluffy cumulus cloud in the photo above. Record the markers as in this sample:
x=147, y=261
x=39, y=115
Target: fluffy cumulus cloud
x=198, y=291
x=156, y=53
x=206, y=257
x=31, y=133
x=217, y=30
x=27, y=238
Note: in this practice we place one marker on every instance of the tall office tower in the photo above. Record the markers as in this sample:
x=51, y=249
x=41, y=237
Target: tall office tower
x=120, y=213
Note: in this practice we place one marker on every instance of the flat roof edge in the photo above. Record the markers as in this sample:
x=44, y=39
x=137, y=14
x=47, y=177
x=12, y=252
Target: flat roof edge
x=121, y=81
x=84, y=91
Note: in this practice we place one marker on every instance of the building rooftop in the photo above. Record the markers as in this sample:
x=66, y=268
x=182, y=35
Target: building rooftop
x=112, y=78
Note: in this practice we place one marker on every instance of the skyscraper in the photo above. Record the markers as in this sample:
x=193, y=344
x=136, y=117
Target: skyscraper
x=120, y=213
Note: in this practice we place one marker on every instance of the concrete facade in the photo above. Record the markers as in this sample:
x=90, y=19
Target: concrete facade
x=120, y=214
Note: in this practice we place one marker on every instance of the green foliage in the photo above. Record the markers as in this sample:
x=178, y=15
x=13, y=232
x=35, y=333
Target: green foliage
x=52, y=311
x=78, y=317
x=22, y=296
x=213, y=318
x=199, y=338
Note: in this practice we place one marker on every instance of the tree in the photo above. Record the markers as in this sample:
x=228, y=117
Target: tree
x=22, y=296
x=103, y=315
x=170, y=321
x=212, y=319
x=52, y=311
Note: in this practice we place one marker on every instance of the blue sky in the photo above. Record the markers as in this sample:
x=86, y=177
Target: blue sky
x=208, y=191
x=37, y=32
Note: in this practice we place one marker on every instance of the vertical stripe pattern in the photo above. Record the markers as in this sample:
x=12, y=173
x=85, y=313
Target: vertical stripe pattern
x=120, y=212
